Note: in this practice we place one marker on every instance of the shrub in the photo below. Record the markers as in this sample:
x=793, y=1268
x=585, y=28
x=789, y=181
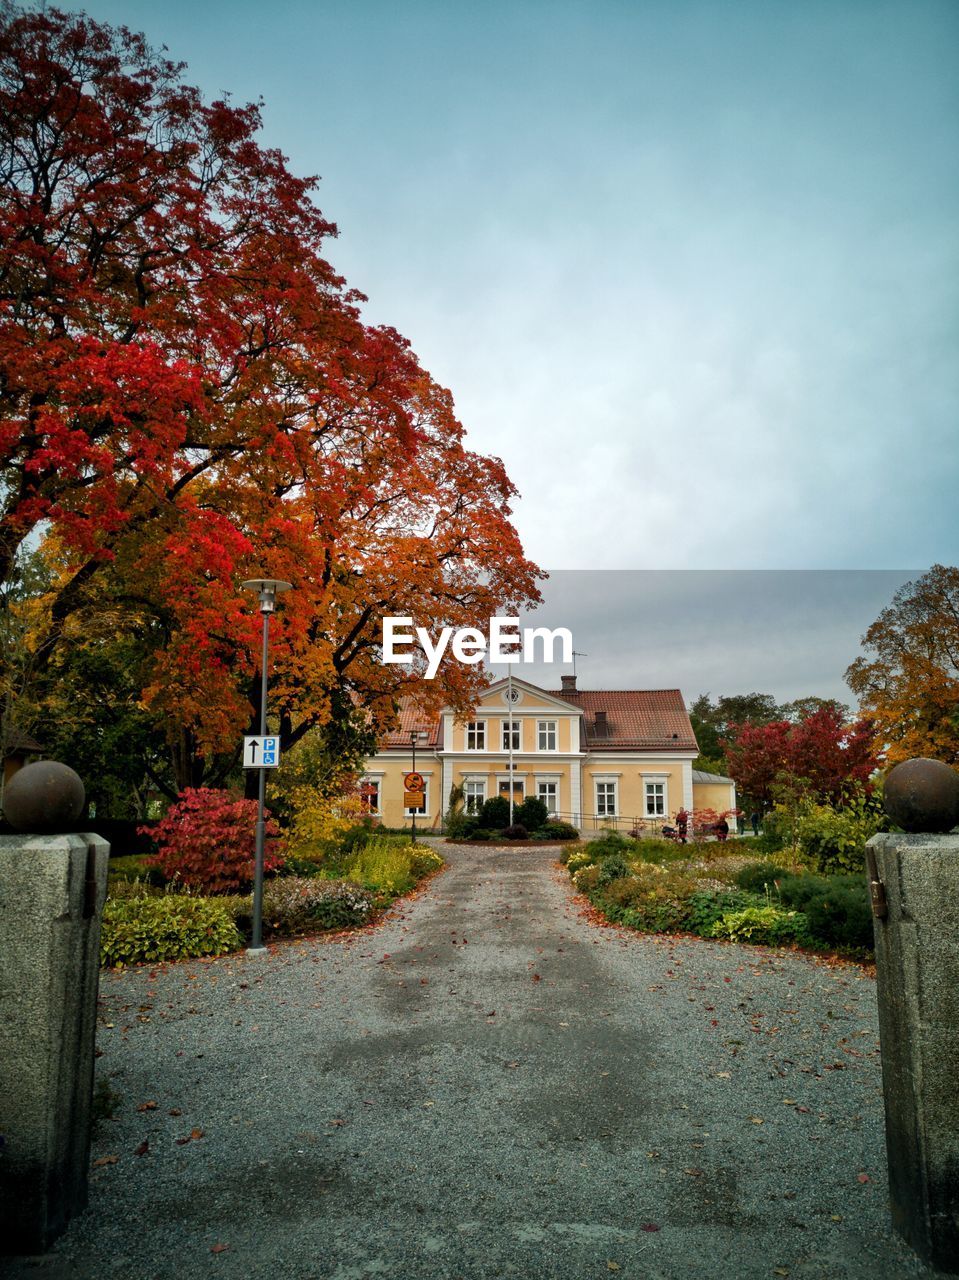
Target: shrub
x=612, y=867
x=656, y=850
x=120, y=887
x=579, y=858
x=653, y=899
x=482, y=834
x=357, y=836
x=424, y=860
x=171, y=927
x=206, y=841
x=131, y=866
x=291, y=904
x=516, y=832
x=461, y=825
x=754, y=877
x=531, y=814
x=834, y=840
x=840, y=914
x=612, y=844
x=495, y=813
x=557, y=830
x=770, y=925
x=706, y=907
x=302, y=867
x=586, y=879
x=384, y=866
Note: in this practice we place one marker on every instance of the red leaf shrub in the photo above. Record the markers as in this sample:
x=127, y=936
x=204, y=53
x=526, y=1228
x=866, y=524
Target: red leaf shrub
x=207, y=841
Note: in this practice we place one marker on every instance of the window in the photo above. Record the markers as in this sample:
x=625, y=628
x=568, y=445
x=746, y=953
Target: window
x=547, y=792
x=476, y=735
x=511, y=728
x=474, y=795
x=546, y=735
x=370, y=795
x=655, y=799
x=606, y=799
x=421, y=813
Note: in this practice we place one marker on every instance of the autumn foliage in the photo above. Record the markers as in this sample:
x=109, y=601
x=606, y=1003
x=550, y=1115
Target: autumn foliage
x=206, y=842
x=823, y=750
x=908, y=678
x=190, y=397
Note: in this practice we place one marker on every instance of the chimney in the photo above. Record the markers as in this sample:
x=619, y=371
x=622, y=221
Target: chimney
x=568, y=684
x=600, y=725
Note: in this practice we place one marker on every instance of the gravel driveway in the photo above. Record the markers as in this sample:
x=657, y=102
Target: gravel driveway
x=489, y=1085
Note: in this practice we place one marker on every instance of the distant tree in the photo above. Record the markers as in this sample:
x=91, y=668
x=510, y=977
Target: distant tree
x=908, y=679
x=802, y=708
x=712, y=722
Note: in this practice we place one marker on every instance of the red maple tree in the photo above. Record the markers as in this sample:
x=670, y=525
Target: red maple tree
x=190, y=397
x=821, y=749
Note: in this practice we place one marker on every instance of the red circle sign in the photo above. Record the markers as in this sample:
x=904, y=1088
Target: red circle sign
x=414, y=782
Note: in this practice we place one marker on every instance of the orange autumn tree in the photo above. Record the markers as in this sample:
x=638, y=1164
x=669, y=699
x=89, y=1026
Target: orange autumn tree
x=189, y=397
x=908, y=679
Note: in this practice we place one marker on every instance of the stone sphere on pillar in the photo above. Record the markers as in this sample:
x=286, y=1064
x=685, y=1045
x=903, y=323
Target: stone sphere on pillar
x=43, y=797
x=922, y=795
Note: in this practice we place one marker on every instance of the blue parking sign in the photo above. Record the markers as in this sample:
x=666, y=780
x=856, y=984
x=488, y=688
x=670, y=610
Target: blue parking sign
x=261, y=753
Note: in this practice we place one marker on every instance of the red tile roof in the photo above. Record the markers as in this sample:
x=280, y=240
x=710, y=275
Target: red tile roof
x=636, y=719
x=412, y=718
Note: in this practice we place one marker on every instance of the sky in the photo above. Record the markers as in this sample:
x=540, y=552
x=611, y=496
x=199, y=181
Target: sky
x=687, y=266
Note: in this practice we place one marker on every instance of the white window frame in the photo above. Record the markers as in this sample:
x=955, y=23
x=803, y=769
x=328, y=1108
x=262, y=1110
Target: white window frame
x=479, y=798
x=614, y=786
x=424, y=812
x=651, y=810
x=478, y=729
x=548, y=782
x=547, y=729
x=517, y=734
x=376, y=810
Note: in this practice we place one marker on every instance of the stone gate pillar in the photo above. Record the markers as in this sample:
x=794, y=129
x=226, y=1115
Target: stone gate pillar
x=915, y=890
x=52, y=889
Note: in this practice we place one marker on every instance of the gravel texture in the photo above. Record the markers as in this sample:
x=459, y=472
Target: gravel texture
x=489, y=1084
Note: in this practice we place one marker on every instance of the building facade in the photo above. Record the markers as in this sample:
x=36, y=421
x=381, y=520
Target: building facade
x=595, y=757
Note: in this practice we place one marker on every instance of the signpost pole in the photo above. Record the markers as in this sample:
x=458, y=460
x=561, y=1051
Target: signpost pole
x=413, y=737
x=512, y=766
x=267, y=588
x=256, y=941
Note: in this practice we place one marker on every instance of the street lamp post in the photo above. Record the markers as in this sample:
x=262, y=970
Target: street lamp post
x=414, y=738
x=268, y=589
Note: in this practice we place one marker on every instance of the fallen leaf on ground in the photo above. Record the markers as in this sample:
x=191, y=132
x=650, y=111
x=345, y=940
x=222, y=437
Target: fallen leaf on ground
x=757, y=1120
x=143, y=1148
x=649, y=1226
x=147, y=1106
x=219, y=1248
x=864, y=1177
x=98, y=1164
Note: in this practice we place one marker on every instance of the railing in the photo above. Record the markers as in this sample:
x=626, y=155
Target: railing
x=627, y=825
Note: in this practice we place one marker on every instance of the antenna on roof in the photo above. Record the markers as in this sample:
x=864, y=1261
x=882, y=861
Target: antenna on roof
x=577, y=654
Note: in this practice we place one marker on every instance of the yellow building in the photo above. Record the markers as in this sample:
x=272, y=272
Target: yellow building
x=596, y=757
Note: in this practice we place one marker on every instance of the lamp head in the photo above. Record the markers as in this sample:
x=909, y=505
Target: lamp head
x=268, y=589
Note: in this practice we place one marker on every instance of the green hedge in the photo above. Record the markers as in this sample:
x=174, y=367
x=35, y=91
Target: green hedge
x=171, y=927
